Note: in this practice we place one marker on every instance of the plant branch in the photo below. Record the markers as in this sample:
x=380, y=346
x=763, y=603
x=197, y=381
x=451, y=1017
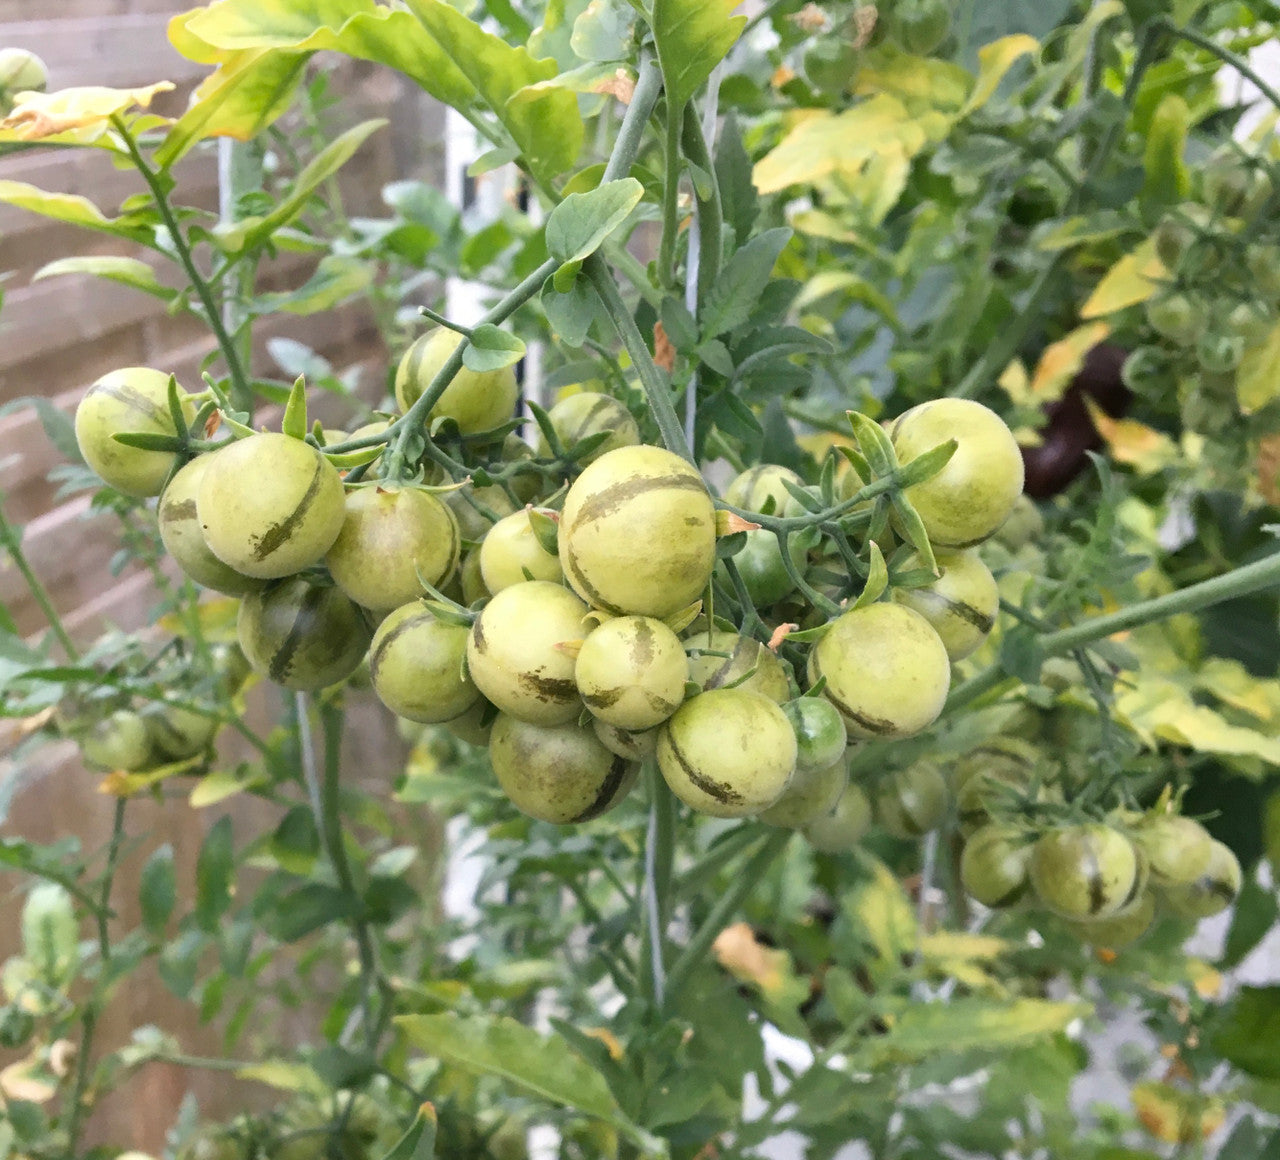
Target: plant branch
x=11, y=538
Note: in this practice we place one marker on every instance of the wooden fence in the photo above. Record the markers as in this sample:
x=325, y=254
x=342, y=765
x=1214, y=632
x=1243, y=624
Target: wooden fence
x=56, y=337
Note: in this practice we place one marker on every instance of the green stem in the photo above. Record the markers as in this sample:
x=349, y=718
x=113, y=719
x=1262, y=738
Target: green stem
x=1236, y=61
x=231, y=356
x=670, y=195
x=11, y=538
x=659, y=853
x=239, y=172
x=710, y=210
x=724, y=909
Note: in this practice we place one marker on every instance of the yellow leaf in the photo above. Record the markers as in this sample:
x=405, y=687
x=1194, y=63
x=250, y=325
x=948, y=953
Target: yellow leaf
x=1061, y=361
x=36, y=116
x=27, y=1080
x=121, y=784
x=1133, y=279
x=1231, y=683
x=217, y=620
x=1016, y=384
x=1177, y=1116
x=996, y=59
x=1258, y=376
x=284, y=1076
x=1143, y=448
x=1159, y=709
x=923, y=80
x=1206, y=980
x=949, y=944
x=879, y=910
x=748, y=960
x=218, y=786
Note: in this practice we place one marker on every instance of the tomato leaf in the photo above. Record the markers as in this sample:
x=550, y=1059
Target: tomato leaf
x=127, y=271
x=692, y=37
x=74, y=210
x=580, y=224
x=1250, y=1031
x=742, y=280
x=214, y=867
x=491, y=348
x=419, y=1142
x=157, y=891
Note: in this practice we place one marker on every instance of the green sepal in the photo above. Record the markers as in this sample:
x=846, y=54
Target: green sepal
x=294, y=423
x=926, y=466
x=547, y=531
x=877, y=579
x=419, y=1142
x=875, y=444
x=547, y=428
x=175, y=406
x=911, y=527
x=151, y=441
x=858, y=462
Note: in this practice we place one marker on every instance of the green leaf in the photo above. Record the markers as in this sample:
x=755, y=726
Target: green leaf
x=491, y=348
x=214, y=867
x=336, y=279
x=580, y=224
x=286, y=1076
x=742, y=280
x=419, y=1142
x=294, y=423
x=127, y=271
x=1167, y=181
x=307, y=909
x=57, y=425
x=879, y=914
x=72, y=209
x=51, y=933
x=565, y=276
x=1251, y=1031
x=740, y=204
x=543, y=1066
x=150, y=441
x=692, y=37
x=571, y=313
x=157, y=892
x=1253, y=916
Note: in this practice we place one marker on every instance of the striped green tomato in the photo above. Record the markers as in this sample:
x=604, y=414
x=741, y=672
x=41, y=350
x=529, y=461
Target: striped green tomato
x=912, y=801
x=120, y=741
x=1216, y=888
x=184, y=540
x=509, y=549
x=588, y=413
x=993, y=865
x=886, y=668
x=557, y=773
x=638, y=533
x=961, y=604
x=719, y=659
x=811, y=793
x=270, y=505
x=844, y=826
x=820, y=733
x=1120, y=930
x=631, y=672
x=628, y=743
x=476, y=400
x=418, y=666
x=753, y=488
x=514, y=657
x=177, y=733
x=1178, y=849
x=302, y=636
x=728, y=753
x=388, y=540
x=128, y=401
x=1084, y=871
x=974, y=493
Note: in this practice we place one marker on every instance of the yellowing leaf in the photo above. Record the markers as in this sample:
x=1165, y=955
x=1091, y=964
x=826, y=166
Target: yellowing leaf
x=949, y=944
x=924, y=80
x=221, y=784
x=747, y=959
x=880, y=912
x=285, y=1076
x=1258, y=376
x=1135, y=444
x=1061, y=361
x=1133, y=279
x=36, y=116
x=994, y=60
x=1157, y=708
x=1231, y=683
x=1016, y=383
x=1177, y=1116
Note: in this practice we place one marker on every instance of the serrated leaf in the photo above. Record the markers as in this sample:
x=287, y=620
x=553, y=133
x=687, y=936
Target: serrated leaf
x=743, y=278
x=740, y=204
x=127, y=271
x=157, y=889
x=582, y=222
x=1133, y=279
x=692, y=37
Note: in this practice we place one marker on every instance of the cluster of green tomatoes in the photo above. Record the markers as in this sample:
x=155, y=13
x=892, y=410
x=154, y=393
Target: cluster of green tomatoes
x=564, y=616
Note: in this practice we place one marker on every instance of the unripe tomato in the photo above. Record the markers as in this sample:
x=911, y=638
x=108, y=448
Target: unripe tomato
x=1084, y=871
x=1213, y=891
x=1025, y=525
x=513, y=657
x=346, y=459
x=557, y=773
x=121, y=741
x=529, y=486
x=472, y=525
x=21, y=71
x=920, y=26
x=1263, y=263
x=587, y=413
x=974, y=493
x=820, y=733
x=388, y=540
x=753, y=488
x=472, y=579
x=476, y=400
x=511, y=548
x=631, y=672
x=763, y=570
x=1219, y=353
x=475, y=725
x=993, y=865
x=418, y=666
x=184, y=540
x=811, y=793
x=270, y=505
x=845, y=826
x=1120, y=930
x=1177, y=317
x=638, y=533
x=132, y=400
x=1178, y=849
x=886, y=668
x=961, y=604
x=910, y=802
x=1234, y=187
x=741, y=655
x=302, y=636
x=634, y=746
x=728, y=753
x=178, y=733
x=984, y=776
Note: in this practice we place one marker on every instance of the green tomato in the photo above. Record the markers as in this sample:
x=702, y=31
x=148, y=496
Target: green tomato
x=1219, y=353
x=638, y=533
x=844, y=826
x=476, y=400
x=754, y=488
x=631, y=672
x=184, y=541
x=886, y=668
x=811, y=794
x=588, y=413
x=628, y=743
x=471, y=579
x=993, y=865
x=270, y=505
x=910, y=802
x=968, y=500
x=1262, y=260
x=719, y=659
x=418, y=666
x=1084, y=871
x=557, y=773
x=475, y=725
x=1216, y=888
x=134, y=400
x=121, y=741
x=984, y=777
x=1234, y=186
x=961, y=604
x=363, y=455
x=763, y=571
x=472, y=524
x=21, y=71
x=302, y=636
x=390, y=542
x=514, y=657
x=510, y=549
x=1177, y=317
x=1120, y=930
x=728, y=753
x=820, y=732
x=178, y=733
x=920, y=26
x=1177, y=849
